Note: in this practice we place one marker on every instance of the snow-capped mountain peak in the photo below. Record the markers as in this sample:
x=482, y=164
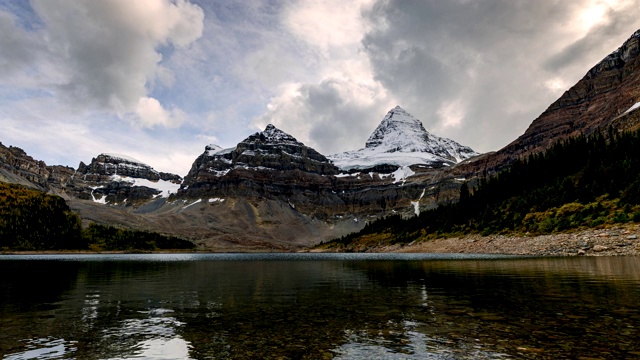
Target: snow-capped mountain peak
x=398, y=131
x=212, y=149
x=401, y=140
x=273, y=135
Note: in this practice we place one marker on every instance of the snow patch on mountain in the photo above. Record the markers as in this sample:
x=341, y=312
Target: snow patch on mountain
x=193, y=203
x=166, y=188
x=632, y=108
x=102, y=199
x=212, y=149
x=416, y=204
x=402, y=140
x=402, y=174
x=125, y=158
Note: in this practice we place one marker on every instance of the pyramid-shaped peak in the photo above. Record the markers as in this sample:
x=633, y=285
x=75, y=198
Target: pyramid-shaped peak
x=402, y=140
x=272, y=134
x=399, y=130
x=271, y=130
x=398, y=114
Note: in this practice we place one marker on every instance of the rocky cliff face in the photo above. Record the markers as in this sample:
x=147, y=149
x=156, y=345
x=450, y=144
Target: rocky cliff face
x=401, y=140
x=18, y=167
x=265, y=162
x=270, y=149
x=104, y=166
x=273, y=165
x=119, y=179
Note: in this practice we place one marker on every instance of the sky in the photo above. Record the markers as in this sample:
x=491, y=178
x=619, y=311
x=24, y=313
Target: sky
x=158, y=80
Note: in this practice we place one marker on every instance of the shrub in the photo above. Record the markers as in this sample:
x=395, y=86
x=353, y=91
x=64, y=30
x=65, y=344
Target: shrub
x=547, y=225
x=620, y=217
x=598, y=221
x=569, y=209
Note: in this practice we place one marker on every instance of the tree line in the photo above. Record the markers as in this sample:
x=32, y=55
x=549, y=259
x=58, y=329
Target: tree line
x=33, y=220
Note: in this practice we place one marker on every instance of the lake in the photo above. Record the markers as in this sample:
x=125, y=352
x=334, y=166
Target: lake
x=318, y=306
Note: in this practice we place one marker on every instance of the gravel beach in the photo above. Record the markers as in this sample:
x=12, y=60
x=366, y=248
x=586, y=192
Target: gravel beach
x=621, y=239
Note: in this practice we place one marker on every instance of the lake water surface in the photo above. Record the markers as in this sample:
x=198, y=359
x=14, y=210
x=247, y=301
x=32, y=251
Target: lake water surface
x=318, y=306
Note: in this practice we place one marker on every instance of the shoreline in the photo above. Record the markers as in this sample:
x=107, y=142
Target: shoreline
x=615, y=240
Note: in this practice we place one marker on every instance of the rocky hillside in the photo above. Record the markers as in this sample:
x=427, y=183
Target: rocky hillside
x=105, y=165
x=17, y=167
x=108, y=179
x=271, y=150
x=604, y=97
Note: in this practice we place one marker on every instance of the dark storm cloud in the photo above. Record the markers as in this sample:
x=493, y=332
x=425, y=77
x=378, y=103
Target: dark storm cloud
x=338, y=119
x=331, y=116
x=481, y=71
x=593, y=41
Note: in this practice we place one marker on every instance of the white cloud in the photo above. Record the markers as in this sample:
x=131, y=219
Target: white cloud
x=327, y=24
x=28, y=124
x=104, y=55
x=149, y=112
x=451, y=113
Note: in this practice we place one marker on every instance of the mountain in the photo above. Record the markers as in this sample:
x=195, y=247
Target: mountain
x=597, y=111
x=271, y=191
x=269, y=150
x=400, y=140
x=258, y=165
x=606, y=97
x=123, y=166
x=115, y=178
x=18, y=167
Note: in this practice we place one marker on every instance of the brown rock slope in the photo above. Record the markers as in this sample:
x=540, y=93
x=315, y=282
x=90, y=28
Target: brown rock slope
x=599, y=100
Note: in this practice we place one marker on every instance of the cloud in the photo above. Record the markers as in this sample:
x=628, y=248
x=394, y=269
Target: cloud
x=328, y=24
x=120, y=75
x=149, y=112
x=103, y=55
x=27, y=124
x=333, y=102
x=480, y=72
x=607, y=26
x=328, y=115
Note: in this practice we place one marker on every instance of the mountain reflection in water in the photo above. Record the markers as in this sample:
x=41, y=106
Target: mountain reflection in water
x=302, y=306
